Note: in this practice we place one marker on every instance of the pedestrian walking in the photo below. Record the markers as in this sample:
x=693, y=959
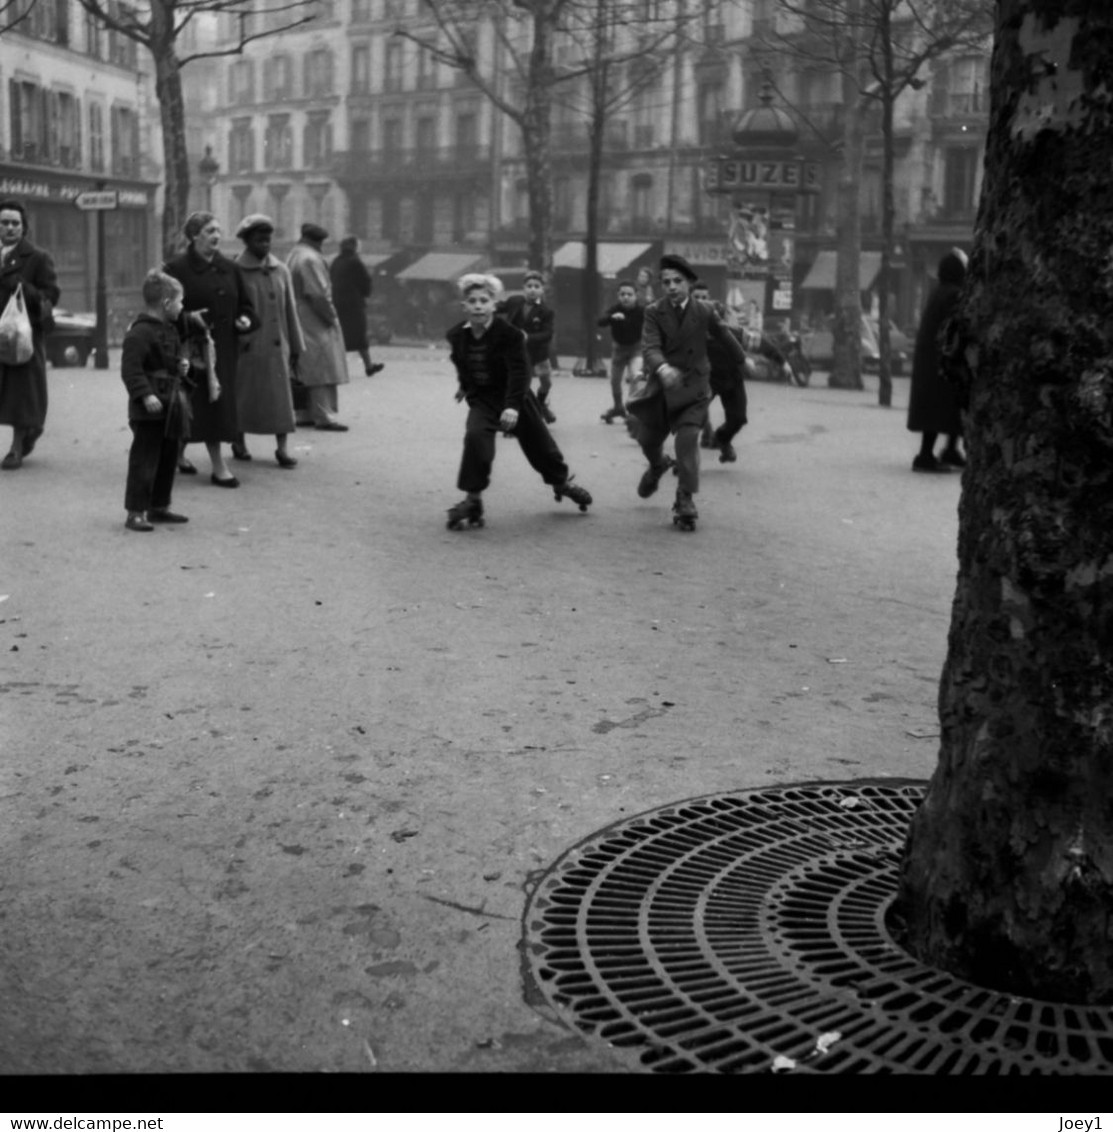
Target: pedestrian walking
x=23, y=391
x=493, y=373
x=351, y=288
x=675, y=397
x=270, y=353
x=323, y=367
x=933, y=406
x=216, y=302
x=728, y=383
x=155, y=372
x=529, y=313
x=624, y=320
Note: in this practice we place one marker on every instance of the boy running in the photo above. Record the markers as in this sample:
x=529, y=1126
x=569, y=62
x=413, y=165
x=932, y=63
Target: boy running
x=625, y=320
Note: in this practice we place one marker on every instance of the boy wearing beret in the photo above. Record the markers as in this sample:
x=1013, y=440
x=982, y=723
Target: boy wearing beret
x=678, y=390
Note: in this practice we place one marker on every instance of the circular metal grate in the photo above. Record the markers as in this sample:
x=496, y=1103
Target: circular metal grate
x=746, y=932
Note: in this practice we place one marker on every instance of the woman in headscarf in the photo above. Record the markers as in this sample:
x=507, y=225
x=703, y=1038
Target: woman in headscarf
x=216, y=298
x=23, y=387
x=933, y=402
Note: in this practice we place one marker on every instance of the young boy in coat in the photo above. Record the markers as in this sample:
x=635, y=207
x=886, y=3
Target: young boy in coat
x=678, y=390
x=529, y=314
x=493, y=371
x=154, y=370
x=727, y=383
x=624, y=319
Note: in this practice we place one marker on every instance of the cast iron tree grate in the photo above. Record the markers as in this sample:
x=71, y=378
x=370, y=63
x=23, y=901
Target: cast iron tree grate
x=746, y=932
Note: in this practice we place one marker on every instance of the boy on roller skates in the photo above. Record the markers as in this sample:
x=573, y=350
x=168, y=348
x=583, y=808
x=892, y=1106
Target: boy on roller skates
x=493, y=370
x=727, y=383
x=676, y=395
x=530, y=315
x=625, y=320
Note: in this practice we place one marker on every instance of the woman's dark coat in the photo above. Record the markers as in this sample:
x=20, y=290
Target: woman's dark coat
x=351, y=288
x=218, y=288
x=23, y=388
x=933, y=402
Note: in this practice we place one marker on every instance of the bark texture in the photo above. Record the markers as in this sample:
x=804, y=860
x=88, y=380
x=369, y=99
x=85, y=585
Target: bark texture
x=1007, y=878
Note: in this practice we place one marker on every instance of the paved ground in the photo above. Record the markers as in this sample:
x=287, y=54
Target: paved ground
x=274, y=783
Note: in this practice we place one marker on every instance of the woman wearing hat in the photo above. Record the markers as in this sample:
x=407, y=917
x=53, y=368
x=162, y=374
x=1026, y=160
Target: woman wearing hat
x=269, y=354
x=217, y=297
x=23, y=387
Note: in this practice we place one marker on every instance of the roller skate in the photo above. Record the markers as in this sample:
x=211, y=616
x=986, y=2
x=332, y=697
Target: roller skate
x=651, y=477
x=546, y=412
x=684, y=513
x=469, y=511
x=579, y=495
x=727, y=454
x=612, y=414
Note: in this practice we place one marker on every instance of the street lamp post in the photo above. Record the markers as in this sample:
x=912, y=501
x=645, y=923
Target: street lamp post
x=208, y=167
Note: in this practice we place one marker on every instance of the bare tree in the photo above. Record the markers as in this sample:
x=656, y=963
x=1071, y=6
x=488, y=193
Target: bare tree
x=1007, y=877
x=523, y=34
x=14, y=13
x=879, y=49
x=159, y=27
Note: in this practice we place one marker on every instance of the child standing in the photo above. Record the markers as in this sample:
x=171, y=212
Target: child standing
x=154, y=369
x=493, y=370
x=529, y=314
x=625, y=320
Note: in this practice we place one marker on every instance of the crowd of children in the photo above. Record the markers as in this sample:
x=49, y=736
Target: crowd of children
x=673, y=354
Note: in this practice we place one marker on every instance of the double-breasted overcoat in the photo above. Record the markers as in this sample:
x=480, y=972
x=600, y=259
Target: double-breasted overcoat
x=324, y=361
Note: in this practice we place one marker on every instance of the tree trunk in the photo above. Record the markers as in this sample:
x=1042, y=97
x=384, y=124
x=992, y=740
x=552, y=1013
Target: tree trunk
x=536, y=141
x=846, y=367
x=591, y=301
x=175, y=204
x=1007, y=877
x=888, y=209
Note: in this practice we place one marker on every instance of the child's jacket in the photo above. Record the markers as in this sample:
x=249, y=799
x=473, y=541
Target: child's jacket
x=149, y=364
x=505, y=382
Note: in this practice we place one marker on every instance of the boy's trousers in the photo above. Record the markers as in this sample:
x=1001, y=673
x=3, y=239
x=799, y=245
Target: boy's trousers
x=152, y=462
x=532, y=434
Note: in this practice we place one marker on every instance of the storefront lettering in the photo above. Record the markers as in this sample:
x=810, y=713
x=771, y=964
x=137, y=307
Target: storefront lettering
x=44, y=190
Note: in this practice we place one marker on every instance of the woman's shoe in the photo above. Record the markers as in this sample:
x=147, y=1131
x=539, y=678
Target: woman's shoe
x=231, y=481
x=285, y=461
x=185, y=468
x=239, y=451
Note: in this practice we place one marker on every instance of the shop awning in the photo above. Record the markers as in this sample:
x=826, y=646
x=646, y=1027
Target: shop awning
x=821, y=277
x=611, y=257
x=441, y=267
x=372, y=260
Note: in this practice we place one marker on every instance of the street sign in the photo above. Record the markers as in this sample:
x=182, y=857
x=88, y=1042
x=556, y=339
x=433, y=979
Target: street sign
x=98, y=201
x=734, y=174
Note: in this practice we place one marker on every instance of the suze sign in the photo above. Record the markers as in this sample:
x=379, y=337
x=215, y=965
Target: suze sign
x=735, y=174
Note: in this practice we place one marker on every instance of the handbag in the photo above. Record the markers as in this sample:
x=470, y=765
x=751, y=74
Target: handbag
x=16, y=341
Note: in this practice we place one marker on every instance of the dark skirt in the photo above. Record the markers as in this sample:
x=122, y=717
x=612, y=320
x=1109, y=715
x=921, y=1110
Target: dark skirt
x=23, y=393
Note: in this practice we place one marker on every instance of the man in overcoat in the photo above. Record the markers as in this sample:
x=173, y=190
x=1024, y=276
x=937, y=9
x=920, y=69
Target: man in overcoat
x=678, y=387
x=351, y=288
x=324, y=365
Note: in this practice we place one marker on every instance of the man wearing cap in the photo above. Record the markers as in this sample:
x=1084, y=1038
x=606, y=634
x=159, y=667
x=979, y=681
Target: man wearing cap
x=678, y=389
x=324, y=365
x=268, y=355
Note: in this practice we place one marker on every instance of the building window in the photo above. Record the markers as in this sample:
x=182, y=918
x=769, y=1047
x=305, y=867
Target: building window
x=122, y=49
x=390, y=228
x=361, y=135
x=242, y=196
x=277, y=195
x=426, y=135
x=241, y=147
x=125, y=142
x=95, y=37
x=69, y=132
x=463, y=215
x=395, y=65
x=361, y=69
x=392, y=135
x=426, y=70
x=394, y=9
x=641, y=192
x=361, y=11
x=96, y=137
x=317, y=142
x=967, y=84
x=25, y=101
x=467, y=133
x=278, y=78
x=318, y=73
x=241, y=82
x=710, y=113
x=960, y=177
x=278, y=143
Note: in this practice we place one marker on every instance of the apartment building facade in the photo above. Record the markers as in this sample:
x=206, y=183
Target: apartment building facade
x=347, y=124
x=80, y=114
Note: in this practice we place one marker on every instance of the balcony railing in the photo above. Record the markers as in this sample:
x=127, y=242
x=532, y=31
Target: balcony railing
x=387, y=165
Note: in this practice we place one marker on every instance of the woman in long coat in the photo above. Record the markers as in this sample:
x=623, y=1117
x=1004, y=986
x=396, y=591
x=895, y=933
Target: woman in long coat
x=23, y=391
x=214, y=285
x=351, y=288
x=268, y=354
x=933, y=403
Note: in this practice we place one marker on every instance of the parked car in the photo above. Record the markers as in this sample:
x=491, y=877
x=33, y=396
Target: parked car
x=819, y=348
x=71, y=341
